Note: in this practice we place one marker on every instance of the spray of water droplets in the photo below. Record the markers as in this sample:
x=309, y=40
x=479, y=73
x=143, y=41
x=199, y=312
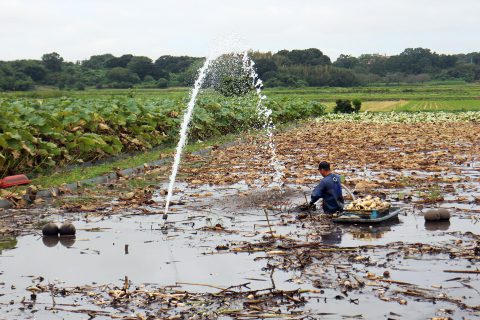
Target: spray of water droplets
x=263, y=112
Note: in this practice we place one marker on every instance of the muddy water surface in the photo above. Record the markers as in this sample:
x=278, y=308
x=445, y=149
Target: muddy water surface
x=186, y=254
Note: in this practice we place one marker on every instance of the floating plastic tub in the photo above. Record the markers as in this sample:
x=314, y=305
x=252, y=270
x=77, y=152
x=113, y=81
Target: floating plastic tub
x=373, y=217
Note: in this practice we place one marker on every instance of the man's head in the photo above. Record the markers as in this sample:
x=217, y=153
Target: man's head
x=324, y=168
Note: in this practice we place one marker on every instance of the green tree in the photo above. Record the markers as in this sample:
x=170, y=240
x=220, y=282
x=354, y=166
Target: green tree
x=122, y=77
x=23, y=83
x=171, y=64
x=97, y=62
x=11, y=79
x=52, y=61
x=189, y=75
x=346, y=61
x=162, y=83
x=465, y=72
x=118, y=62
x=475, y=57
x=148, y=78
x=264, y=65
x=338, y=77
x=32, y=68
x=142, y=66
x=312, y=56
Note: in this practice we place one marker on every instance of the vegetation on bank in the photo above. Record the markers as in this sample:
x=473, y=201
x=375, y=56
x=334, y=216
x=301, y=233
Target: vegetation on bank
x=44, y=130
x=285, y=68
x=49, y=178
x=37, y=134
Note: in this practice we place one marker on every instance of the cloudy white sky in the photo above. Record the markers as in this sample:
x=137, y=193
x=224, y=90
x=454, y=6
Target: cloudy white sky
x=78, y=29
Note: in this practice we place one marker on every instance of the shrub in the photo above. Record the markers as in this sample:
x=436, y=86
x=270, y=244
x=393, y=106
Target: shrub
x=80, y=86
x=343, y=106
x=148, y=78
x=162, y=83
x=357, y=105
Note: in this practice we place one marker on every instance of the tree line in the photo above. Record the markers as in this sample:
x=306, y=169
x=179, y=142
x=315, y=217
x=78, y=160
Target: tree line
x=285, y=68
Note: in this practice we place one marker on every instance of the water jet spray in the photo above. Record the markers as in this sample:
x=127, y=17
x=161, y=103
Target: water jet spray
x=263, y=112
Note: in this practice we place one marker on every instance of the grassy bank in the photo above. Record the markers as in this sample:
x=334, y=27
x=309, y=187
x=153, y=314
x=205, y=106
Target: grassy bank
x=78, y=173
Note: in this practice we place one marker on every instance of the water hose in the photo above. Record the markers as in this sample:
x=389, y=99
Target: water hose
x=349, y=191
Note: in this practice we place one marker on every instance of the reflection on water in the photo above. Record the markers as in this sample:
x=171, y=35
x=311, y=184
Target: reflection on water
x=442, y=225
x=375, y=231
x=333, y=237
x=408, y=228
x=52, y=241
x=67, y=241
x=7, y=243
x=366, y=235
x=360, y=232
x=372, y=232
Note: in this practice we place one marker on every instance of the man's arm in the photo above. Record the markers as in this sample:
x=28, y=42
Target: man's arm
x=317, y=193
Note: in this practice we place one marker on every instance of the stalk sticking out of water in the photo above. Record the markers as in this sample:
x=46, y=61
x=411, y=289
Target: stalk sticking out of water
x=184, y=131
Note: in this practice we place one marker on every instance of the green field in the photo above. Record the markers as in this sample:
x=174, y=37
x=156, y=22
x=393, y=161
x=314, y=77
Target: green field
x=410, y=98
x=418, y=97
x=459, y=91
x=384, y=92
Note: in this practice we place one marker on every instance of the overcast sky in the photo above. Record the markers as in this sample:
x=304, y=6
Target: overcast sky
x=77, y=29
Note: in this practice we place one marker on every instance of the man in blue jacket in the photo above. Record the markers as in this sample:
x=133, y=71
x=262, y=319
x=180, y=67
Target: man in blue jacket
x=329, y=189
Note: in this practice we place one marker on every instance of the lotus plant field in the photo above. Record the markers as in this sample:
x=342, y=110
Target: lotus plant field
x=36, y=134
